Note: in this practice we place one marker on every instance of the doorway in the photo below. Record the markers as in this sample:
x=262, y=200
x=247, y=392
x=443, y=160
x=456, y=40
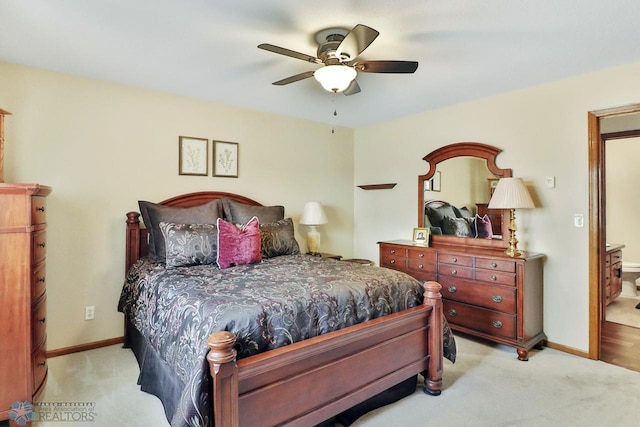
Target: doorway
x=597, y=243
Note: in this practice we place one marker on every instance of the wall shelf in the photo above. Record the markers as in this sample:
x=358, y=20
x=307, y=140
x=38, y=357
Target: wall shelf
x=377, y=186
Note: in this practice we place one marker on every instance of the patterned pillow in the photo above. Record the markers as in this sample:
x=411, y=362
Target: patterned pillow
x=189, y=244
x=278, y=239
x=153, y=214
x=238, y=245
x=483, y=227
x=241, y=213
x=457, y=226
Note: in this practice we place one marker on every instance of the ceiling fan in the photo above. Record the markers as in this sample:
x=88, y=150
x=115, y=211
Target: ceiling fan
x=338, y=49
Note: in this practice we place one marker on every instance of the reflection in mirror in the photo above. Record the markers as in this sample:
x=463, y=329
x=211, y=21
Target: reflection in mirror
x=466, y=172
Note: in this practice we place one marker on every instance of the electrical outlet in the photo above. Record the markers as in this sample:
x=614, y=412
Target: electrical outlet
x=89, y=312
x=550, y=182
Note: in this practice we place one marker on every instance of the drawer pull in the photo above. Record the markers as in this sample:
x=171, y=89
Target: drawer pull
x=42, y=319
x=494, y=265
x=42, y=244
x=42, y=364
x=41, y=279
x=452, y=312
x=496, y=298
x=421, y=266
x=393, y=251
x=497, y=324
x=454, y=271
x=452, y=289
x=421, y=255
x=454, y=259
x=40, y=208
x=494, y=278
x=393, y=261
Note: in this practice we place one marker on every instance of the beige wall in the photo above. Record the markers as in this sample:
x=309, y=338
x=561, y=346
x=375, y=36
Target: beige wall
x=543, y=132
x=623, y=196
x=102, y=147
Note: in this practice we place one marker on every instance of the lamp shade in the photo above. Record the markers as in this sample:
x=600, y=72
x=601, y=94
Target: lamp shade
x=335, y=78
x=511, y=193
x=313, y=214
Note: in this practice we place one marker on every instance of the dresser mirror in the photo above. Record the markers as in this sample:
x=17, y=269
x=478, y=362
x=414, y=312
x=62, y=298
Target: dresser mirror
x=463, y=174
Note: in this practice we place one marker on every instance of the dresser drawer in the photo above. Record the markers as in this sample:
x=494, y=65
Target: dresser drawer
x=481, y=319
x=444, y=257
x=496, y=277
x=39, y=322
x=420, y=265
x=496, y=264
x=422, y=255
x=494, y=297
x=392, y=250
x=455, y=271
x=38, y=210
x=396, y=262
x=38, y=281
x=39, y=246
x=39, y=365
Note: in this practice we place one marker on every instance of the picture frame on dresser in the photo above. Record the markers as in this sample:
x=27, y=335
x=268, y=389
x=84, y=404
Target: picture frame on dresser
x=193, y=155
x=421, y=236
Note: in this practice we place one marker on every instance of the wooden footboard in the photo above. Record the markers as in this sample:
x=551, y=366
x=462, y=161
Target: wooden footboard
x=311, y=381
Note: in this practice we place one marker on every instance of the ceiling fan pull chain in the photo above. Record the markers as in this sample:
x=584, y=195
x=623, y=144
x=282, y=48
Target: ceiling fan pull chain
x=335, y=112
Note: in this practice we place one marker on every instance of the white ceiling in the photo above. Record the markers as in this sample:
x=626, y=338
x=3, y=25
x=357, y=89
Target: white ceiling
x=467, y=49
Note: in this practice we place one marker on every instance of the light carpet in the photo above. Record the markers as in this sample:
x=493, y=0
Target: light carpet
x=623, y=310
x=487, y=386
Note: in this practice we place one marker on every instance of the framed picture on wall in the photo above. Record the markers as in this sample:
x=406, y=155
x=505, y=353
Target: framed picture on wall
x=436, y=181
x=225, y=159
x=493, y=183
x=193, y=155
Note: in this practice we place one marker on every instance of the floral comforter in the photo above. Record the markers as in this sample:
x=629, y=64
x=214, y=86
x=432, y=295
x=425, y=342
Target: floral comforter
x=267, y=305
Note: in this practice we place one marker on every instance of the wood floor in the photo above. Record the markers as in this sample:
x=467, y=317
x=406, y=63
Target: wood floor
x=620, y=345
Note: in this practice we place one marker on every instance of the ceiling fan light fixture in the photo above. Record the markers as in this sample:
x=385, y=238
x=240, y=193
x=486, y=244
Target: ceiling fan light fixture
x=335, y=78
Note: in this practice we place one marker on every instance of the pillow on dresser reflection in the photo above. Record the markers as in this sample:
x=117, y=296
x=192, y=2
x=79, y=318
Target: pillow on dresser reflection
x=436, y=215
x=483, y=227
x=457, y=226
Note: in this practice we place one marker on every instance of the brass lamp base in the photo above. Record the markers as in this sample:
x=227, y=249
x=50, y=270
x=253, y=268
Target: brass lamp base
x=513, y=250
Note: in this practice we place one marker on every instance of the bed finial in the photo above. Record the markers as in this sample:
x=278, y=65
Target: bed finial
x=133, y=217
x=224, y=372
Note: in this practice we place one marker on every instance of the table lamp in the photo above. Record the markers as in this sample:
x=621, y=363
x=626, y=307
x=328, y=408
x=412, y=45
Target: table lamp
x=512, y=194
x=312, y=216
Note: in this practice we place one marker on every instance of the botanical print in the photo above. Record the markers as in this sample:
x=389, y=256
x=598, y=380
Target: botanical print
x=193, y=156
x=225, y=160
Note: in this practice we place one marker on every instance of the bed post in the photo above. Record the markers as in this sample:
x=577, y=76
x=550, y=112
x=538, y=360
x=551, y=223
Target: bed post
x=133, y=239
x=224, y=372
x=433, y=378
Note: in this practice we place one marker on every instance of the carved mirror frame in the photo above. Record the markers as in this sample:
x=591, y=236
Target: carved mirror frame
x=464, y=149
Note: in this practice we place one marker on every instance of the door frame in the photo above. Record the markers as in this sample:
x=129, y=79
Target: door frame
x=597, y=205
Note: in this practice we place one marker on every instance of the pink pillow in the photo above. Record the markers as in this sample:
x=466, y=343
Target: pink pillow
x=238, y=245
x=483, y=227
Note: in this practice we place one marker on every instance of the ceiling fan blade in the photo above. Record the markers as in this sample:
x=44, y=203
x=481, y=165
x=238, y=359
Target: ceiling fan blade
x=294, y=79
x=386, y=66
x=353, y=88
x=290, y=53
x=358, y=39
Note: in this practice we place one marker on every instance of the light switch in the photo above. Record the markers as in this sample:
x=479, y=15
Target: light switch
x=550, y=182
x=578, y=220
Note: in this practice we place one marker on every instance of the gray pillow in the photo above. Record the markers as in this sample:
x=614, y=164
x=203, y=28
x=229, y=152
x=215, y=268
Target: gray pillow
x=277, y=238
x=457, y=226
x=241, y=213
x=436, y=215
x=189, y=244
x=153, y=214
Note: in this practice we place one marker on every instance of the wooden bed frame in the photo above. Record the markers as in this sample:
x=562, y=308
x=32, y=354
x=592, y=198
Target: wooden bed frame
x=308, y=382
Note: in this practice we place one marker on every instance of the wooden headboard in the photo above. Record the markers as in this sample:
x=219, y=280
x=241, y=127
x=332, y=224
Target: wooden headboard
x=136, y=239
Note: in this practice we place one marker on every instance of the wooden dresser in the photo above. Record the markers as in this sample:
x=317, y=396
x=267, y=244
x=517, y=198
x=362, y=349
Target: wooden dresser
x=486, y=293
x=612, y=286
x=23, y=365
